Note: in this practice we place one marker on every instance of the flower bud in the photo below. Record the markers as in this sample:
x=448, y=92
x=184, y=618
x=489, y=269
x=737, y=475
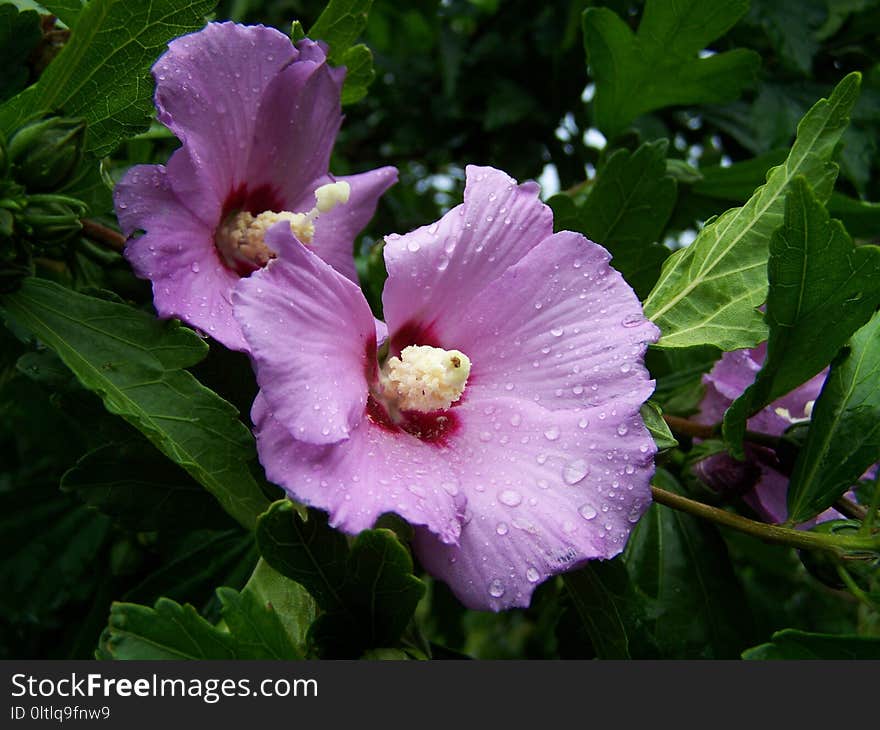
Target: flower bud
x=49, y=222
x=45, y=154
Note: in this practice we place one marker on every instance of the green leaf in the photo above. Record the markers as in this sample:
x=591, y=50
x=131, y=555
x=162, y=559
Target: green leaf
x=708, y=293
x=295, y=608
x=50, y=543
x=134, y=362
x=307, y=551
x=252, y=630
x=256, y=626
x=613, y=614
x=844, y=436
x=626, y=212
x=368, y=592
x=822, y=289
x=381, y=583
x=193, y=563
x=340, y=24
x=791, y=26
x=67, y=10
x=358, y=62
x=652, y=415
x=794, y=644
x=103, y=72
x=681, y=566
x=134, y=484
x=658, y=66
x=737, y=182
x=19, y=34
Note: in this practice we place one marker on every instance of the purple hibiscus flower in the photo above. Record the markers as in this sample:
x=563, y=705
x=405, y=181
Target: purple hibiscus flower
x=758, y=479
x=500, y=416
x=257, y=118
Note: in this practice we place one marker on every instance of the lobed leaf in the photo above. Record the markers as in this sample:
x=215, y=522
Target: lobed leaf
x=368, y=592
x=822, y=289
x=626, y=211
x=658, y=66
x=134, y=362
x=708, y=293
x=103, y=72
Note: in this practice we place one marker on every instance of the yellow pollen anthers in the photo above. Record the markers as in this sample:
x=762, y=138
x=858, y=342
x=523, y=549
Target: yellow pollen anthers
x=241, y=237
x=425, y=378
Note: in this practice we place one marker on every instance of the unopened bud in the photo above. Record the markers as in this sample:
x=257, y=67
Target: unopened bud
x=45, y=154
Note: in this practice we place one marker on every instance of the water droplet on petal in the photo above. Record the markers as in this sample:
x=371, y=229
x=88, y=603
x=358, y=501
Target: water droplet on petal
x=622, y=429
x=587, y=511
x=532, y=575
x=501, y=528
x=557, y=331
x=575, y=471
x=552, y=433
x=632, y=320
x=510, y=497
x=195, y=267
x=496, y=588
x=413, y=246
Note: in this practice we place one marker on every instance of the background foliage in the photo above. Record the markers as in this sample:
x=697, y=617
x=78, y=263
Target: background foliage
x=643, y=121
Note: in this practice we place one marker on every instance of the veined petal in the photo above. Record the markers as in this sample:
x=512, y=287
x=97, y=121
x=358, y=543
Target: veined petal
x=434, y=271
x=373, y=472
x=545, y=491
x=219, y=73
x=336, y=230
x=560, y=327
x=177, y=254
x=312, y=339
x=297, y=123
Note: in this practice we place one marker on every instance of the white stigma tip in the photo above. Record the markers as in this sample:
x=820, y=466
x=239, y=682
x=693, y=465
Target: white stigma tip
x=426, y=378
x=330, y=195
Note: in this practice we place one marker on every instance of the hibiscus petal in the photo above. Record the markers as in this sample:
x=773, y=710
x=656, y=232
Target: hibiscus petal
x=177, y=254
x=560, y=327
x=219, y=73
x=299, y=118
x=312, y=338
x=435, y=270
x=545, y=491
x=335, y=231
x=372, y=473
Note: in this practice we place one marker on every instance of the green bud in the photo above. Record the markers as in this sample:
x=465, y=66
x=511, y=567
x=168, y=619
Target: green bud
x=49, y=222
x=45, y=154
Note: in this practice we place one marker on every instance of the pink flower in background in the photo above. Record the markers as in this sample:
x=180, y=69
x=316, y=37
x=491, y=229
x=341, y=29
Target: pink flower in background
x=500, y=416
x=759, y=479
x=257, y=118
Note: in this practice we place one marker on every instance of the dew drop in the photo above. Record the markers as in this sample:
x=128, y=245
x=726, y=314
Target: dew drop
x=557, y=331
x=501, y=528
x=622, y=429
x=194, y=267
x=575, y=471
x=413, y=246
x=510, y=497
x=552, y=433
x=587, y=511
x=496, y=588
x=532, y=575
x=515, y=419
x=632, y=320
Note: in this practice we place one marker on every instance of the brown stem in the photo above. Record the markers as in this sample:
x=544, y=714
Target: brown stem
x=684, y=426
x=850, y=509
x=99, y=233
x=689, y=428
